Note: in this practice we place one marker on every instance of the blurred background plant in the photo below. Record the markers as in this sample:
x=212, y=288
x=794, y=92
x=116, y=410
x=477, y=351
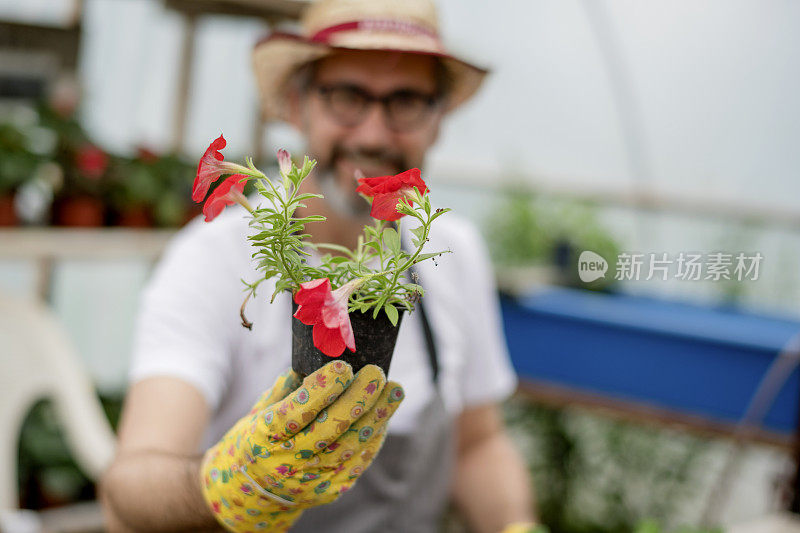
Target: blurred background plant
x=17, y=163
x=593, y=474
x=51, y=172
x=598, y=475
x=151, y=189
x=46, y=471
x=534, y=239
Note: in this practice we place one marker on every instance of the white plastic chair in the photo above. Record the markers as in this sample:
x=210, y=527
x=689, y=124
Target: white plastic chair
x=38, y=361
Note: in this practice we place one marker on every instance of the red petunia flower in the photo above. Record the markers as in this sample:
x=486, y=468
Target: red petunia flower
x=326, y=310
x=212, y=165
x=228, y=192
x=387, y=190
x=91, y=161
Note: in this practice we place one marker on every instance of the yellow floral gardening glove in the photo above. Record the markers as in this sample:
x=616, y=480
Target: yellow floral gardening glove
x=302, y=445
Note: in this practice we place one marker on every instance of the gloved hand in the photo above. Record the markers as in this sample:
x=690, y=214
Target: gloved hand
x=302, y=445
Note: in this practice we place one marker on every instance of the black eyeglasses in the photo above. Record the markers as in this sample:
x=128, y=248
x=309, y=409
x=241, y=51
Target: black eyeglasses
x=404, y=109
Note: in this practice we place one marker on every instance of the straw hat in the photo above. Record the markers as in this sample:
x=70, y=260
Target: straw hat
x=327, y=25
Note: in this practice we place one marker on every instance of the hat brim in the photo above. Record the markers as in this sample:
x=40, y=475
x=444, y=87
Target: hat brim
x=278, y=56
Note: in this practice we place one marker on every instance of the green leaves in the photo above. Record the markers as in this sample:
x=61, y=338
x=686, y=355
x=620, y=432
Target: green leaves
x=335, y=247
x=292, y=174
x=308, y=166
x=384, y=290
x=391, y=312
x=439, y=212
x=419, y=234
x=423, y=257
x=307, y=196
x=280, y=238
x=392, y=240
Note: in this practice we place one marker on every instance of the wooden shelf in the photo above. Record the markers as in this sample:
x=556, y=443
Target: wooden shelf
x=83, y=243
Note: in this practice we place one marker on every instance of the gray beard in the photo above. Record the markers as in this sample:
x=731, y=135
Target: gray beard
x=343, y=204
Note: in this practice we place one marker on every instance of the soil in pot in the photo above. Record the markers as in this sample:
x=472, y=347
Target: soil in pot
x=375, y=341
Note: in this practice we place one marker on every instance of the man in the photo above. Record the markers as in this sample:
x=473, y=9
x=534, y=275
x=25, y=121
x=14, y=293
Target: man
x=367, y=83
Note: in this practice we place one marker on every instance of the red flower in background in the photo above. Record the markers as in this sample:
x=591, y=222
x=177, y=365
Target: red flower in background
x=326, y=310
x=228, y=192
x=212, y=166
x=387, y=190
x=91, y=161
x=146, y=155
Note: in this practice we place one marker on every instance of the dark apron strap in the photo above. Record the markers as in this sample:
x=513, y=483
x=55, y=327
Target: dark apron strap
x=430, y=339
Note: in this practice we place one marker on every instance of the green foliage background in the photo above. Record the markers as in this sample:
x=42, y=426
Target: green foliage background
x=527, y=229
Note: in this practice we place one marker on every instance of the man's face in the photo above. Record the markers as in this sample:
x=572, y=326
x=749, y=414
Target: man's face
x=377, y=141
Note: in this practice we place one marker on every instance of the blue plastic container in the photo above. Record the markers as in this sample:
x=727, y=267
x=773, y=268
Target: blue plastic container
x=691, y=359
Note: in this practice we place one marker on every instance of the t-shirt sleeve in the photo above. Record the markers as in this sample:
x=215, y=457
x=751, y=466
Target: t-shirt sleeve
x=187, y=313
x=488, y=375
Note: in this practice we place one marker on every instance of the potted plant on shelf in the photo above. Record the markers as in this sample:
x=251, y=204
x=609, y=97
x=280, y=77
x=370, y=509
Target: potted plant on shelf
x=173, y=207
x=134, y=189
x=80, y=202
x=537, y=241
x=151, y=190
x=520, y=241
x=17, y=165
x=351, y=304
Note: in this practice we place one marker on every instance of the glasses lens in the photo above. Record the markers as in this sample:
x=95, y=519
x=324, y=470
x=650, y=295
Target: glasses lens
x=405, y=109
x=408, y=109
x=347, y=104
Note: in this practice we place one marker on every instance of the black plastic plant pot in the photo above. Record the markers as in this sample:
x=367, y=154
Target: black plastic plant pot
x=375, y=340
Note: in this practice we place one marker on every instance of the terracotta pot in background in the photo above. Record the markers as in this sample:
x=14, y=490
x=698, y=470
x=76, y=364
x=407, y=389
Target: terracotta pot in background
x=79, y=211
x=138, y=216
x=375, y=340
x=192, y=212
x=8, y=215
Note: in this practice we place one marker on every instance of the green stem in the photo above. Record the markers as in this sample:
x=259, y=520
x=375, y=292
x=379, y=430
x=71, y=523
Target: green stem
x=399, y=270
x=379, y=232
x=241, y=199
x=247, y=171
x=285, y=204
x=360, y=254
x=252, y=292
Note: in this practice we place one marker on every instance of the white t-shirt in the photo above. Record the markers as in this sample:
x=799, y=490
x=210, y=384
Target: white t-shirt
x=188, y=325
